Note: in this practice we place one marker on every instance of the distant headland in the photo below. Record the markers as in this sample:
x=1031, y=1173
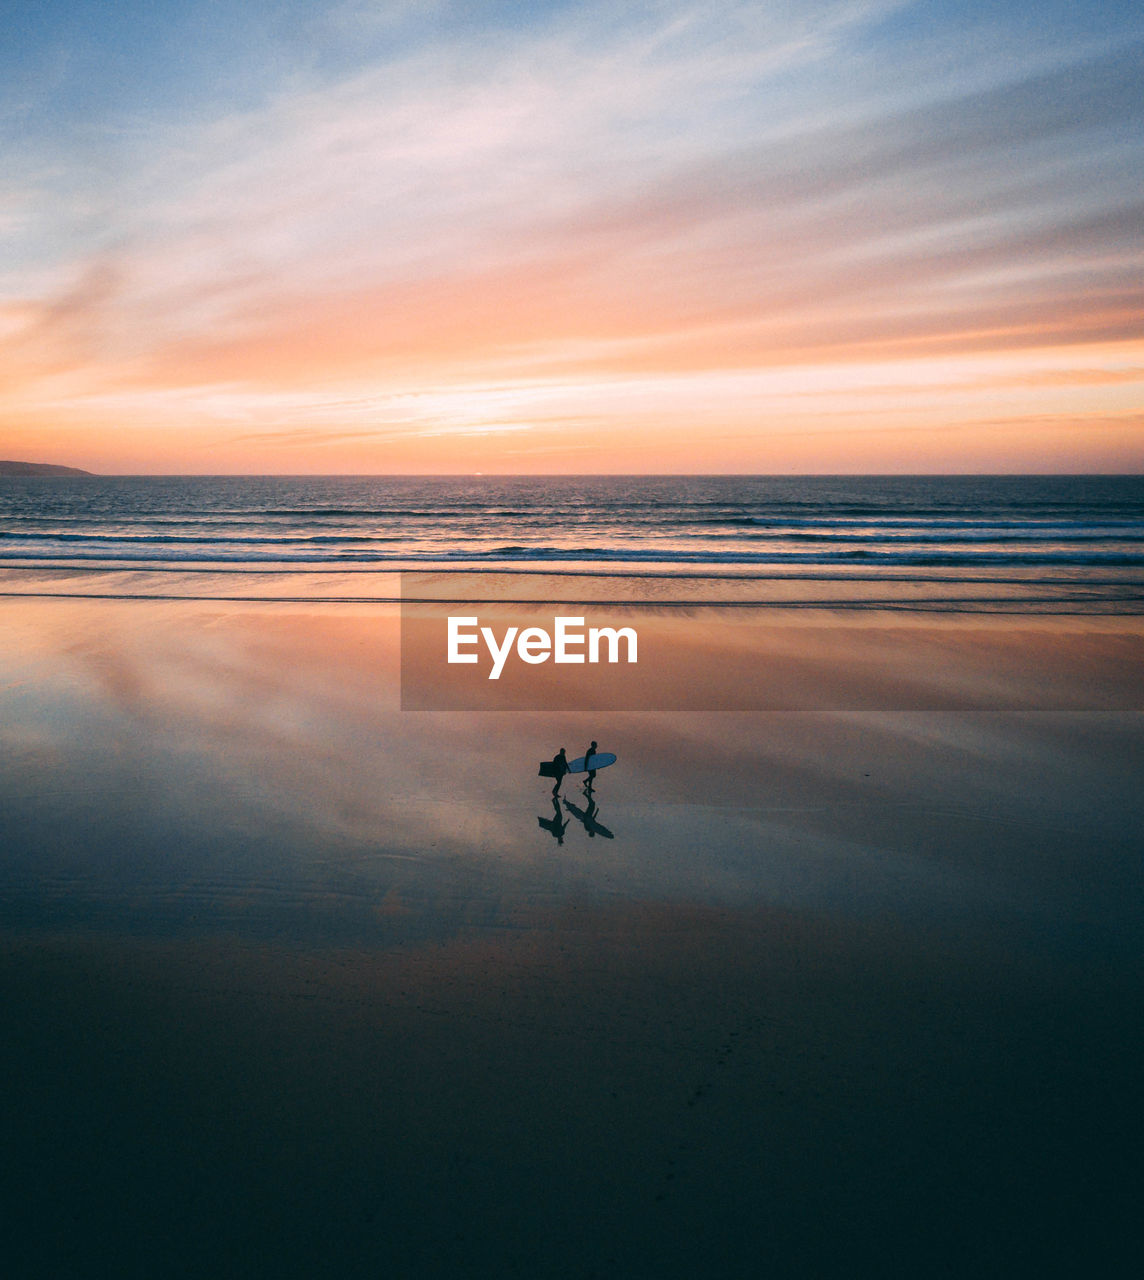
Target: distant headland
x=39, y=469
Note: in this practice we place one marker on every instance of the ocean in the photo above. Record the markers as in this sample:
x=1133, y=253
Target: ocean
x=995, y=521
x=1074, y=543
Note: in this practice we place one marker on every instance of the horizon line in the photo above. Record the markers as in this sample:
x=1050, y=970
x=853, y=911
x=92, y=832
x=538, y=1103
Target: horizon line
x=571, y=475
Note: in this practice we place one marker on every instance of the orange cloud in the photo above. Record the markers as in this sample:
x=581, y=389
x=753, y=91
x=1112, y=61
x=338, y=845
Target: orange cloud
x=680, y=244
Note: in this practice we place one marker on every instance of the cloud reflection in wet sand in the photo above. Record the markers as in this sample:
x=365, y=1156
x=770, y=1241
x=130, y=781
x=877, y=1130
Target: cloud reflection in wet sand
x=258, y=753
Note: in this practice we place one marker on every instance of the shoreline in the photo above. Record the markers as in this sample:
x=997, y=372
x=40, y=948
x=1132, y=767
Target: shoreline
x=1113, y=593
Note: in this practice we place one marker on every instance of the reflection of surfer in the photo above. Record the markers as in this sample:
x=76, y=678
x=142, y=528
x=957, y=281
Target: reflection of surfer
x=591, y=772
x=557, y=824
x=588, y=818
x=560, y=767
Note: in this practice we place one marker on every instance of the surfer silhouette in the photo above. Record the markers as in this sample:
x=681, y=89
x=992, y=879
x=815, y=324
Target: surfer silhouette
x=560, y=766
x=557, y=824
x=591, y=772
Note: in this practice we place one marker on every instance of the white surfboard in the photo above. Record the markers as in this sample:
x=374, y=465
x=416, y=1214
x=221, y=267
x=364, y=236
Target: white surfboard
x=599, y=760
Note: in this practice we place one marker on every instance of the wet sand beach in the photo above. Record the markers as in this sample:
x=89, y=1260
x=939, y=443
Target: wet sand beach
x=297, y=983
x=400, y=401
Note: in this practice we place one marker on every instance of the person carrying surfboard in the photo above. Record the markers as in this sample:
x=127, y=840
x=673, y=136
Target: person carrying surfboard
x=560, y=765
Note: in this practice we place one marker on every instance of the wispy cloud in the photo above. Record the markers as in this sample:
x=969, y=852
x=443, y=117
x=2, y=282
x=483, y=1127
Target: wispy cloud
x=600, y=197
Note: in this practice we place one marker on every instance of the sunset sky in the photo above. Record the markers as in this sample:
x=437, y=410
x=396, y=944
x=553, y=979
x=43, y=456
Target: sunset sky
x=814, y=235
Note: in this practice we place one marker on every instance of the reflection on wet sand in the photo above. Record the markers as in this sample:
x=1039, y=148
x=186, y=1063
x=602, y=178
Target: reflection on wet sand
x=294, y=979
x=557, y=824
x=588, y=817
x=225, y=750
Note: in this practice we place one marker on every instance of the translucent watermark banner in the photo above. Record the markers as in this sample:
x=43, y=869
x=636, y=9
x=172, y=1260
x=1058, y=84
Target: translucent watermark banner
x=483, y=642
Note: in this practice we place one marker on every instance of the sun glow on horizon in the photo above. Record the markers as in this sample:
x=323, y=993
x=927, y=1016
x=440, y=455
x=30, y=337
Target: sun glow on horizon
x=681, y=239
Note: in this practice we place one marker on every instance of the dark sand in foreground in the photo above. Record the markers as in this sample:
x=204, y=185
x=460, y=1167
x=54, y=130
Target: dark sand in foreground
x=295, y=984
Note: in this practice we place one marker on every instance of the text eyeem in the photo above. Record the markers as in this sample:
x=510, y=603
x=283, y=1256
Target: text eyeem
x=535, y=644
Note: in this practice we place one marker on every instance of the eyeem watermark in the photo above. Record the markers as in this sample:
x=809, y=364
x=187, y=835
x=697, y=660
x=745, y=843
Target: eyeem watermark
x=482, y=641
x=568, y=642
